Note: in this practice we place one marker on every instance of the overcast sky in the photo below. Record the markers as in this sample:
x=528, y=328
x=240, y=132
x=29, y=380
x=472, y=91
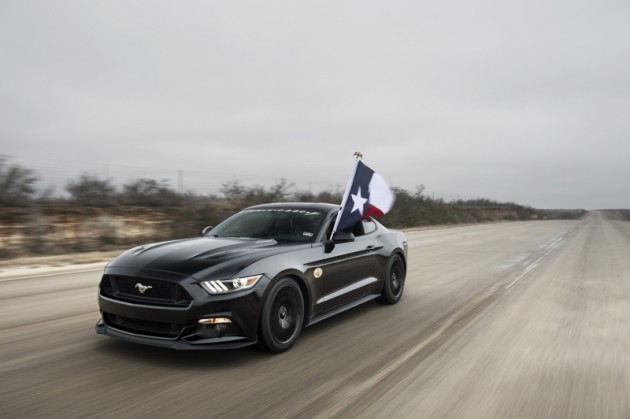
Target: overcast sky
x=522, y=101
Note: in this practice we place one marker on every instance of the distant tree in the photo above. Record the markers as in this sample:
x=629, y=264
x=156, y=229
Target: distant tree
x=16, y=183
x=90, y=190
x=233, y=191
x=236, y=193
x=331, y=196
x=46, y=195
x=280, y=191
x=149, y=192
x=304, y=196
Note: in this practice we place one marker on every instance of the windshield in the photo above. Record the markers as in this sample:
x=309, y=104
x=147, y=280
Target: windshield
x=280, y=224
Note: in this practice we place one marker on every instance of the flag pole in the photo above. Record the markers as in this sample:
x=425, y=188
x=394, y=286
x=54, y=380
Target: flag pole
x=357, y=157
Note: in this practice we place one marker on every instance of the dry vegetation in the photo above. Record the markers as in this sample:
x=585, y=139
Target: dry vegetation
x=95, y=215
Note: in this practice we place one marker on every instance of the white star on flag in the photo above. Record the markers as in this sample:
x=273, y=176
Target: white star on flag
x=358, y=202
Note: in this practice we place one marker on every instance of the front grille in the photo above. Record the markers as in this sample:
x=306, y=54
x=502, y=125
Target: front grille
x=144, y=327
x=156, y=291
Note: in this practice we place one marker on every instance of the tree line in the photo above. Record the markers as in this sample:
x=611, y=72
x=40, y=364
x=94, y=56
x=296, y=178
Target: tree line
x=412, y=208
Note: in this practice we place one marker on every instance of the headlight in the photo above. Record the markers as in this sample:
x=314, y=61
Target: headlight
x=230, y=285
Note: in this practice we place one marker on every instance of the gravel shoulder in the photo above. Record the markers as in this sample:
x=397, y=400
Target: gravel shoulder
x=38, y=265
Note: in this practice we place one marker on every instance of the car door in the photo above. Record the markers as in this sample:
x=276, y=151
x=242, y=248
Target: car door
x=348, y=272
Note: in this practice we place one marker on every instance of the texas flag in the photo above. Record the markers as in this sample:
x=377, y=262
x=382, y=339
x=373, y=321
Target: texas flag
x=367, y=194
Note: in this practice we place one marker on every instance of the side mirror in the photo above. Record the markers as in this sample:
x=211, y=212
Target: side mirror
x=343, y=237
x=206, y=229
x=339, y=237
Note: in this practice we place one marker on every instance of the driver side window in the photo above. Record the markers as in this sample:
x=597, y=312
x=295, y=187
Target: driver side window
x=369, y=226
x=363, y=227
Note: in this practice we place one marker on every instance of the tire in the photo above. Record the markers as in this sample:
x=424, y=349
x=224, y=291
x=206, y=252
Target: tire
x=282, y=316
x=394, y=282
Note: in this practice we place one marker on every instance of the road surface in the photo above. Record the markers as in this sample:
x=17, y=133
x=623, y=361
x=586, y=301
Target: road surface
x=518, y=320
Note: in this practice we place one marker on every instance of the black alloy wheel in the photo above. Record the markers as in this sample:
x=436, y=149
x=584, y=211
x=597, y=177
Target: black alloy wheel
x=395, y=281
x=282, y=316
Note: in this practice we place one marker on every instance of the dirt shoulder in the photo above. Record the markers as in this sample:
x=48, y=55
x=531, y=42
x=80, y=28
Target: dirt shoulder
x=34, y=262
x=77, y=260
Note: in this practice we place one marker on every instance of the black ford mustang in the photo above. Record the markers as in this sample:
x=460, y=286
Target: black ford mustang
x=259, y=276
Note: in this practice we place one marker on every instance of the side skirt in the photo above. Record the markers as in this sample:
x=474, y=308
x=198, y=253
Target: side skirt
x=343, y=308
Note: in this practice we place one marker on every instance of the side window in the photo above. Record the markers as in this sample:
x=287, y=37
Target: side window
x=363, y=227
x=369, y=226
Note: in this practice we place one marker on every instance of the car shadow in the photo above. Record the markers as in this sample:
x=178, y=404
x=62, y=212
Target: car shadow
x=212, y=358
x=219, y=359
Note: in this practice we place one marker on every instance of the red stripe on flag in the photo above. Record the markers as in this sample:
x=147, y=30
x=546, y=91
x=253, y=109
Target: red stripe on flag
x=372, y=211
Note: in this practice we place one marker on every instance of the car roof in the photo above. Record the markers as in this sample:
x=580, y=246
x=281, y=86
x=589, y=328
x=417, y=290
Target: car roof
x=319, y=206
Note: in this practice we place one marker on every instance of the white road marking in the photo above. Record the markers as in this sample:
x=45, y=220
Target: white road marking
x=548, y=248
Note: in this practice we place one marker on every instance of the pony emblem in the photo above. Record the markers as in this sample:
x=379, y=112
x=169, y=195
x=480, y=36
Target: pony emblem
x=142, y=288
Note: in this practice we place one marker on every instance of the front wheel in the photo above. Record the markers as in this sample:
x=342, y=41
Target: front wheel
x=394, y=282
x=282, y=316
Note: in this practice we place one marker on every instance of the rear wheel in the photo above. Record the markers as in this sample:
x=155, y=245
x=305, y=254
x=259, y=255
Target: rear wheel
x=395, y=281
x=282, y=316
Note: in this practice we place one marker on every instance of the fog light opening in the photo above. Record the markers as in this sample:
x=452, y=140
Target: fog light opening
x=214, y=327
x=215, y=320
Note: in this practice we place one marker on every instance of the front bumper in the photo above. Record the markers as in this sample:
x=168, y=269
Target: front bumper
x=227, y=342
x=178, y=327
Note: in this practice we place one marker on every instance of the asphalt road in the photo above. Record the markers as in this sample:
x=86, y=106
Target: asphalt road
x=518, y=320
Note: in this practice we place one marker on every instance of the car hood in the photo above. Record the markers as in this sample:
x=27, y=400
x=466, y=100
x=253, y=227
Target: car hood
x=191, y=256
